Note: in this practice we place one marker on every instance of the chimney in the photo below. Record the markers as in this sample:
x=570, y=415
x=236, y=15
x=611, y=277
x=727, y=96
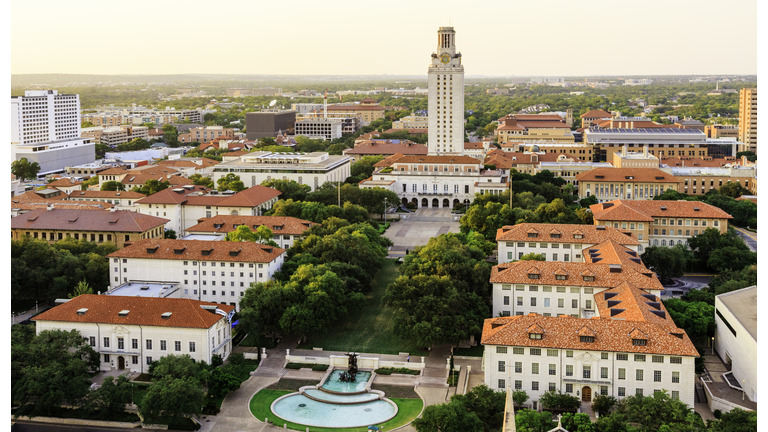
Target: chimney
x=645, y=151
x=50, y=207
x=113, y=209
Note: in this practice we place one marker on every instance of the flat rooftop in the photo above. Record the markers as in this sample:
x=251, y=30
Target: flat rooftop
x=743, y=305
x=145, y=289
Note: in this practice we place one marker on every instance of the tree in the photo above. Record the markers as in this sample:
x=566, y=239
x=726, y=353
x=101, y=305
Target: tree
x=652, y=413
x=486, y=403
x=93, y=181
x=221, y=383
x=112, y=186
x=200, y=180
x=531, y=421
x=667, y=262
x=289, y=189
x=736, y=420
x=751, y=156
x=169, y=234
x=577, y=422
x=176, y=366
x=152, y=187
x=24, y=169
x=559, y=401
x=450, y=417
x=602, y=404
x=263, y=305
x=230, y=182
x=731, y=247
x=50, y=369
x=519, y=397
x=262, y=235
x=696, y=318
x=533, y=256
x=173, y=397
x=363, y=168
x=111, y=397
x=733, y=190
x=731, y=258
x=81, y=288
x=101, y=150
x=430, y=310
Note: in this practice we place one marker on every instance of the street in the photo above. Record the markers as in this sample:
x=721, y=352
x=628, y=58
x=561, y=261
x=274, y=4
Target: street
x=749, y=237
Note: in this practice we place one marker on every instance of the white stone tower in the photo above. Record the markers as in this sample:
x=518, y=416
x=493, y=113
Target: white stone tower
x=446, y=97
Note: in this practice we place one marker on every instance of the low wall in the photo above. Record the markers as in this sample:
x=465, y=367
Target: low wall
x=362, y=362
x=716, y=403
x=83, y=422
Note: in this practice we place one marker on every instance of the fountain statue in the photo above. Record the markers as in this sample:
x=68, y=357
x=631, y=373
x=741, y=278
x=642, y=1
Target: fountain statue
x=349, y=375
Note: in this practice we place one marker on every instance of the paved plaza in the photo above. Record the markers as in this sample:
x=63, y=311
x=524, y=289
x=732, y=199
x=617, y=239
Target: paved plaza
x=419, y=227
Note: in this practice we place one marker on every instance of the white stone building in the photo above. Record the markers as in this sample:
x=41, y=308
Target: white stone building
x=214, y=271
x=556, y=242
x=45, y=128
x=129, y=333
x=445, y=81
x=312, y=169
x=285, y=230
x=320, y=128
x=185, y=206
x=736, y=337
x=589, y=357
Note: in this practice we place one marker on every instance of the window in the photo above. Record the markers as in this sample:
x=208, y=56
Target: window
x=586, y=372
x=603, y=356
x=519, y=301
x=551, y=353
x=120, y=343
x=106, y=358
x=535, y=368
x=639, y=392
x=134, y=359
x=639, y=357
x=675, y=377
x=639, y=342
x=92, y=341
x=657, y=359
x=657, y=376
x=569, y=353
x=622, y=373
x=533, y=301
x=624, y=357
x=518, y=385
x=501, y=350
x=518, y=367
x=502, y=384
x=568, y=370
x=552, y=386
x=162, y=345
x=517, y=350
x=502, y=367
x=675, y=394
x=603, y=372
x=574, y=303
x=569, y=388
x=535, y=385
x=106, y=342
x=676, y=360
x=536, y=351
x=622, y=391
x=149, y=360
x=149, y=344
x=639, y=375
x=552, y=369
x=560, y=303
x=191, y=347
x=177, y=345
x=506, y=300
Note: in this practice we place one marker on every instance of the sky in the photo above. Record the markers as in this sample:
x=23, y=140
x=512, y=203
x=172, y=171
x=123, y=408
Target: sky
x=333, y=37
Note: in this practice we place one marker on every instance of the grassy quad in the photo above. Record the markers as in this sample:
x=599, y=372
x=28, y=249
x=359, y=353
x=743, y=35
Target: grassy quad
x=368, y=329
x=407, y=410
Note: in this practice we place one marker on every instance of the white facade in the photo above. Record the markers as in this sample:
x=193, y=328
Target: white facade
x=736, y=336
x=445, y=81
x=319, y=128
x=313, y=169
x=583, y=373
x=212, y=281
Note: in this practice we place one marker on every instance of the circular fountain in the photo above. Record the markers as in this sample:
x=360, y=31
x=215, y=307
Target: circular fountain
x=343, y=399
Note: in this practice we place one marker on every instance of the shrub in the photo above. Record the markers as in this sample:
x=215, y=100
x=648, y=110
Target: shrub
x=602, y=404
x=559, y=401
x=216, y=361
x=389, y=371
x=519, y=397
x=211, y=408
x=314, y=367
x=717, y=414
x=236, y=359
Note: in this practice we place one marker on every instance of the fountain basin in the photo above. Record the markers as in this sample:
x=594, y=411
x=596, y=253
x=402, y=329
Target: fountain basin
x=333, y=385
x=322, y=396
x=321, y=414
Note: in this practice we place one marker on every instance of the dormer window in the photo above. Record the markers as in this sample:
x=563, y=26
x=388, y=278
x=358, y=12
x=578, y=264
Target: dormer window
x=639, y=342
x=555, y=235
x=561, y=277
x=536, y=336
x=588, y=278
x=533, y=234
x=533, y=276
x=578, y=236
x=587, y=339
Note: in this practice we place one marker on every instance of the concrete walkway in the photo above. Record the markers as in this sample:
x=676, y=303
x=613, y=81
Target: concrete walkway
x=235, y=412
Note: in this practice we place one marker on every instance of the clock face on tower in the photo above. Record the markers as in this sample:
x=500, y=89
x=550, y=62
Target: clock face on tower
x=445, y=58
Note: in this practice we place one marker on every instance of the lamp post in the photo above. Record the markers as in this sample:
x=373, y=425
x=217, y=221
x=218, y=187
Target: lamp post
x=385, y=210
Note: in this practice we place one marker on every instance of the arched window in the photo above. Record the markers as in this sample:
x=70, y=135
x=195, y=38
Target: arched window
x=655, y=242
x=234, y=212
x=663, y=242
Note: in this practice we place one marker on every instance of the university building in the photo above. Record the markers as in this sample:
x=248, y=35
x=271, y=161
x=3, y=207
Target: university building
x=626, y=183
x=129, y=333
x=286, y=230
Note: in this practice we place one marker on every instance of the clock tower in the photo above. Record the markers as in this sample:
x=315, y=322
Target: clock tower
x=445, y=82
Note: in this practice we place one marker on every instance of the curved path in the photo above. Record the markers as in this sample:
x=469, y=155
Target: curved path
x=235, y=412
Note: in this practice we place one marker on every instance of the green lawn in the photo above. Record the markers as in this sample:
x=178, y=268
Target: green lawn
x=408, y=409
x=368, y=329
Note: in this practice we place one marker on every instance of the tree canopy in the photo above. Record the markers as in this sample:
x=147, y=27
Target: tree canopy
x=230, y=182
x=289, y=189
x=23, y=169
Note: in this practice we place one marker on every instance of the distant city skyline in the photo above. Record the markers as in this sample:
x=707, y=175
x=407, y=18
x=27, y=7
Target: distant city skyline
x=496, y=38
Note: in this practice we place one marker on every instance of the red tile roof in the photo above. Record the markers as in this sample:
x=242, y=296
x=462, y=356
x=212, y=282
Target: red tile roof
x=447, y=159
x=185, y=313
x=622, y=175
x=387, y=148
x=199, y=250
x=629, y=210
x=105, y=194
x=251, y=197
x=355, y=107
x=31, y=196
x=473, y=146
x=86, y=220
x=590, y=234
x=72, y=205
x=596, y=114
x=171, y=195
x=412, y=131
x=609, y=335
x=63, y=182
x=226, y=223
x=205, y=162
x=141, y=179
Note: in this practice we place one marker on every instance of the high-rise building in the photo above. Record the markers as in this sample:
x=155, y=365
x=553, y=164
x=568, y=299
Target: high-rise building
x=45, y=128
x=748, y=118
x=446, y=96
